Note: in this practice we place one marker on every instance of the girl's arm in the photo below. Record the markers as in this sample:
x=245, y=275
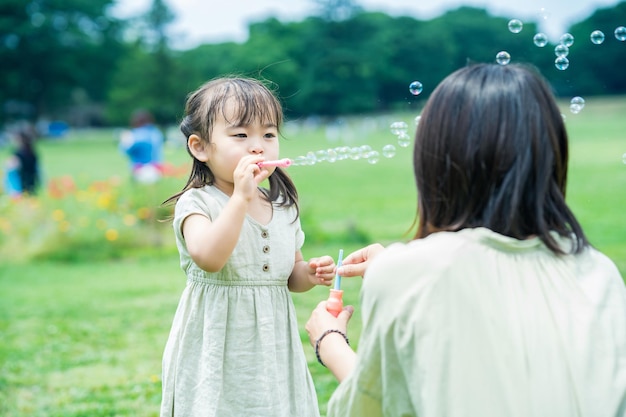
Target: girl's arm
x=210, y=243
x=306, y=275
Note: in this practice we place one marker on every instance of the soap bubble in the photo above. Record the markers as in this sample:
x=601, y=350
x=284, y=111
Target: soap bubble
x=299, y=161
x=373, y=157
x=416, y=87
x=540, y=39
x=620, y=33
x=515, y=25
x=624, y=158
x=311, y=159
x=342, y=153
x=597, y=37
x=321, y=155
x=398, y=128
x=576, y=104
x=404, y=140
x=364, y=150
x=417, y=119
x=389, y=151
x=354, y=153
x=561, y=63
x=567, y=39
x=561, y=50
x=503, y=58
x=331, y=155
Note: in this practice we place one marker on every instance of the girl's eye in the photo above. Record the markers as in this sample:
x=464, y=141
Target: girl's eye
x=240, y=135
x=270, y=135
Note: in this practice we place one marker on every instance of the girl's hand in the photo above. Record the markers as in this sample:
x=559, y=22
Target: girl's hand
x=247, y=176
x=321, y=270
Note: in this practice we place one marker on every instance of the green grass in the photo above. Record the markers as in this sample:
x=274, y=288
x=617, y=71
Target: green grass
x=86, y=339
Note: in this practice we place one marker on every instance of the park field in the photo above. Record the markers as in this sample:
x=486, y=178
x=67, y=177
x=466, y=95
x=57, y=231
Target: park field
x=83, y=336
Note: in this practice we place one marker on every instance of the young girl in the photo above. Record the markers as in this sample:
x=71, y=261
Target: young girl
x=234, y=347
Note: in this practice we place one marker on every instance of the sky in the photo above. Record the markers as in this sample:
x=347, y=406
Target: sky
x=211, y=21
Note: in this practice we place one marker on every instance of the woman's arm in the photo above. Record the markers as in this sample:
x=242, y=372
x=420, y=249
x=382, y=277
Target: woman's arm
x=332, y=350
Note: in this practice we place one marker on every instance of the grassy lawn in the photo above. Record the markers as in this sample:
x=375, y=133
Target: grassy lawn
x=86, y=338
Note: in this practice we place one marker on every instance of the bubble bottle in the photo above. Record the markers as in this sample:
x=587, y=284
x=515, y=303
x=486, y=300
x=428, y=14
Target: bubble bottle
x=334, y=304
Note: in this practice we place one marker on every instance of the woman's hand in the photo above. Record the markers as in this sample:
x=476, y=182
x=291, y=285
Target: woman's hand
x=321, y=320
x=356, y=263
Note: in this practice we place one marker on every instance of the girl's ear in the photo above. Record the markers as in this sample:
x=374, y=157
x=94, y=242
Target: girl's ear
x=198, y=148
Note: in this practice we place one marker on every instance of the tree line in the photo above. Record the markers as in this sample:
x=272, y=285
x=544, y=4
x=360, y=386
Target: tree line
x=72, y=60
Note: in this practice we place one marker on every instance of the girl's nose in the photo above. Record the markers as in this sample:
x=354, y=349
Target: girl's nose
x=256, y=146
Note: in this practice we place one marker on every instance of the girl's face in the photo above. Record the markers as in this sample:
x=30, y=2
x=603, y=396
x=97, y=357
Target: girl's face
x=230, y=142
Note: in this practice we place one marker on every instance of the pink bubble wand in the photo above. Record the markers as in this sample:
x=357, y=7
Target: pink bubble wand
x=283, y=163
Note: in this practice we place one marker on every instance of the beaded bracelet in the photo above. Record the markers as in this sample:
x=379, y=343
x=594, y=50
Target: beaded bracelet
x=319, y=340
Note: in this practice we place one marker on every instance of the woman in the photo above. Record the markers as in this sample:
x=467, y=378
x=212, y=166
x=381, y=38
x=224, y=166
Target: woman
x=500, y=306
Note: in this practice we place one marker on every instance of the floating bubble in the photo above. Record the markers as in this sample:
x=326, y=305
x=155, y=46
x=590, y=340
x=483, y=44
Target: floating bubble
x=415, y=87
x=373, y=157
x=321, y=155
x=624, y=158
x=342, y=152
x=398, y=128
x=364, y=151
x=503, y=58
x=597, y=37
x=540, y=39
x=620, y=33
x=515, y=25
x=417, y=119
x=389, y=151
x=567, y=39
x=311, y=159
x=299, y=161
x=561, y=63
x=331, y=155
x=404, y=140
x=577, y=104
x=561, y=50
x=354, y=153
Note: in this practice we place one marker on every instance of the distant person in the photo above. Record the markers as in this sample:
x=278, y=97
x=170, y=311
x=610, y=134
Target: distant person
x=500, y=307
x=234, y=348
x=143, y=144
x=22, y=168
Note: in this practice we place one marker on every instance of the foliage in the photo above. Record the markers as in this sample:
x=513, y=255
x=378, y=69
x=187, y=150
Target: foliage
x=344, y=60
x=56, y=56
x=107, y=219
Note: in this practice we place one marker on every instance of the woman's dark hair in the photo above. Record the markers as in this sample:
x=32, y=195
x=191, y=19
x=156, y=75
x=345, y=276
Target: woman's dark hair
x=491, y=150
x=253, y=101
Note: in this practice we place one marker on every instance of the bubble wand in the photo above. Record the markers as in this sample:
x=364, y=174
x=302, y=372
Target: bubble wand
x=283, y=163
x=334, y=304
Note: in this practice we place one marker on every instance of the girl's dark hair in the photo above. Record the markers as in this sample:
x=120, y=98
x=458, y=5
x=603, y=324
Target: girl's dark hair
x=491, y=150
x=253, y=101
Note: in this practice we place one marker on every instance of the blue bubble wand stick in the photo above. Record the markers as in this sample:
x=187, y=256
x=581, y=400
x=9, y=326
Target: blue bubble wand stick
x=334, y=304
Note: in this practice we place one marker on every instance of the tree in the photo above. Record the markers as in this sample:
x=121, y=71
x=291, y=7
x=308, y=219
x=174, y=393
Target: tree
x=55, y=55
x=147, y=75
